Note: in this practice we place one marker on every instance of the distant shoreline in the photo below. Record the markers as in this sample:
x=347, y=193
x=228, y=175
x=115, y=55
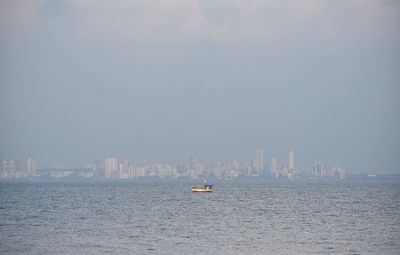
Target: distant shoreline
x=388, y=178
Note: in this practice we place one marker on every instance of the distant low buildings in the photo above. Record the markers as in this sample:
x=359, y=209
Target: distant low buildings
x=18, y=168
x=338, y=172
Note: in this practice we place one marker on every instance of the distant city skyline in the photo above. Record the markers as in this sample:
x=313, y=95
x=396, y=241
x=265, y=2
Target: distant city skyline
x=115, y=168
x=261, y=161
x=256, y=166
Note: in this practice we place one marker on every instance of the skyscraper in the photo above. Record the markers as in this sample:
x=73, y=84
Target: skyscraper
x=194, y=161
x=274, y=167
x=111, y=167
x=291, y=160
x=29, y=166
x=319, y=170
x=8, y=169
x=33, y=168
x=259, y=161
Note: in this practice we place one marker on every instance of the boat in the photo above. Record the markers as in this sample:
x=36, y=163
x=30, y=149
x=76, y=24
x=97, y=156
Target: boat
x=205, y=188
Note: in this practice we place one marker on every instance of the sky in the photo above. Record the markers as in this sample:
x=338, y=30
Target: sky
x=156, y=80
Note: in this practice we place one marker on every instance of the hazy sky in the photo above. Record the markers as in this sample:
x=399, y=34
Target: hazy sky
x=156, y=80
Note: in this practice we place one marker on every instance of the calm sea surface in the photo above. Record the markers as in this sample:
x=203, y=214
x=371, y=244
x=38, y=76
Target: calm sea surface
x=143, y=218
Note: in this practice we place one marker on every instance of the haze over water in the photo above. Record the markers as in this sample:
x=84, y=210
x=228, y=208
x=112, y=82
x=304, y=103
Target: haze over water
x=155, y=80
x=242, y=218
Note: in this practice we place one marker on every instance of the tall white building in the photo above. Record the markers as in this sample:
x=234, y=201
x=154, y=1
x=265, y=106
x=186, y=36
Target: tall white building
x=194, y=161
x=111, y=167
x=319, y=170
x=291, y=160
x=274, y=167
x=259, y=161
x=31, y=166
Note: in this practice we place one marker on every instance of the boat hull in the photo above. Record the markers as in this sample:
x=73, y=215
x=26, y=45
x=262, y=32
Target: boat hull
x=201, y=190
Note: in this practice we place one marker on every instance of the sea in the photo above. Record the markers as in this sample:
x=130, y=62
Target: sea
x=167, y=218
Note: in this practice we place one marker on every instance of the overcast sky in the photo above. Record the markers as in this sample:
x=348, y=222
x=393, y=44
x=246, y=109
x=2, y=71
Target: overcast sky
x=156, y=80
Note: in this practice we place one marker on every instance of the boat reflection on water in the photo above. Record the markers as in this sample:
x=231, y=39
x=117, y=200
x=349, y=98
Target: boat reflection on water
x=205, y=188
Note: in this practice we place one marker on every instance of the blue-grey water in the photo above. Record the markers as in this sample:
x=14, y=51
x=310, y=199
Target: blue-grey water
x=143, y=218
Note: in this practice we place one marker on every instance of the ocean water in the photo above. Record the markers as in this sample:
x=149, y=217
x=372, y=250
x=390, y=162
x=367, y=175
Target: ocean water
x=154, y=218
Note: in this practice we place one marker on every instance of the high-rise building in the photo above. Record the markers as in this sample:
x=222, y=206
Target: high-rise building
x=123, y=172
x=194, y=161
x=292, y=173
x=274, y=167
x=217, y=170
x=31, y=167
x=247, y=167
x=18, y=168
x=319, y=170
x=8, y=169
x=33, y=171
x=259, y=162
x=291, y=160
x=111, y=167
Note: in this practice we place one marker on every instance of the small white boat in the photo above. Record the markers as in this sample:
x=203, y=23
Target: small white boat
x=206, y=188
